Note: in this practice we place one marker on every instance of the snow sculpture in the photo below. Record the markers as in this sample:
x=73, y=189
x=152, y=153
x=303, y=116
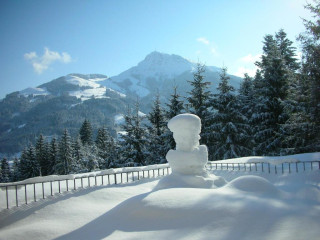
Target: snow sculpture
x=189, y=159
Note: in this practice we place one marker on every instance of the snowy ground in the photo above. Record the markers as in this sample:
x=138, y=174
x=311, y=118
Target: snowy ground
x=260, y=206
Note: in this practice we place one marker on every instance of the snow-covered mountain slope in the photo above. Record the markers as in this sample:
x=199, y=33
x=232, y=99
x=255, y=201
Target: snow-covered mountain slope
x=153, y=72
x=34, y=92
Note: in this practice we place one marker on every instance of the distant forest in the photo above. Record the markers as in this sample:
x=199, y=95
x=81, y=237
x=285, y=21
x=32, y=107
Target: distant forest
x=276, y=112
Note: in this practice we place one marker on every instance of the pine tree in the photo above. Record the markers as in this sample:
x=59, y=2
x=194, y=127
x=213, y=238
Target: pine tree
x=29, y=166
x=5, y=171
x=65, y=159
x=229, y=128
x=199, y=101
x=133, y=149
x=86, y=132
x=15, y=170
x=246, y=100
x=53, y=154
x=174, y=108
x=78, y=154
x=106, y=147
x=156, y=139
x=309, y=85
x=277, y=68
x=42, y=155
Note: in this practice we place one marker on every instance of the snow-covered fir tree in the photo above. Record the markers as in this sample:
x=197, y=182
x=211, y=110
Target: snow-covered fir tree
x=86, y=132
x=174, y=107
x=229, y=129
x=65, y=159
x=246, y=101
x=107, y=149
x=78, y=154
x=310, y=82
x=270, y=115
x=42, y=155
x=156, y=145
x=133, y=147
x=29, y=166
x=5, y=171
x=199, y=101
x=53, y=154
x=15, y=170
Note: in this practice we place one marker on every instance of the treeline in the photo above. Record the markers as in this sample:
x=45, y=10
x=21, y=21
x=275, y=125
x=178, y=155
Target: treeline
x=276, y=112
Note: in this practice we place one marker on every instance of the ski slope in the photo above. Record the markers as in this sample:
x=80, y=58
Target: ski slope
x=252, y=205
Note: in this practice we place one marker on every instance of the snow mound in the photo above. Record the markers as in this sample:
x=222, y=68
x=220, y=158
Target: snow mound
x=176, y=180
x=253, y=184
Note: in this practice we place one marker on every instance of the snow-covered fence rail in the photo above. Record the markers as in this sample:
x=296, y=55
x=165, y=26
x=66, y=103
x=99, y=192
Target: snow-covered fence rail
x=33, y=189
x=267, y=167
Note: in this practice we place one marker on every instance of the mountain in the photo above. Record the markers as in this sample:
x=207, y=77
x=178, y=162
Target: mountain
x=67, y=101
x=160, y=72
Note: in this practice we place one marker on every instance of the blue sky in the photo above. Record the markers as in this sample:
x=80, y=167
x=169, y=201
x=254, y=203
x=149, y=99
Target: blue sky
x=43, y=40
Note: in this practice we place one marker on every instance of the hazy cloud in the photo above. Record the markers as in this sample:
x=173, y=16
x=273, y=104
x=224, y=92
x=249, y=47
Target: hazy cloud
x=42, y=63
x=203, y=40
x=242, y=70
x=251, y=58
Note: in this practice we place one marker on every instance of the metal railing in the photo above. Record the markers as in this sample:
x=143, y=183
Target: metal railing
x=17, y=194
x=286, y=167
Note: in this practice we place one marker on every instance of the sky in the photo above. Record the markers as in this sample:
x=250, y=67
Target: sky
x=43, y=40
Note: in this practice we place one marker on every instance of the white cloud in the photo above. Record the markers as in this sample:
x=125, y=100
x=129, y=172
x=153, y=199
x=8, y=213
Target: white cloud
x=42, y=63
x=203, y=40
x=242, y=70
x=251, y=58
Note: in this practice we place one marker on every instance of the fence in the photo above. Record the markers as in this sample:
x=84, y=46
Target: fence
x=286, y=167
x=23, y=193
x=16, y=194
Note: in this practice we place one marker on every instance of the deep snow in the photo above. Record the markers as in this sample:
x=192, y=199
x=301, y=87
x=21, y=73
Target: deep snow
x=248, y=207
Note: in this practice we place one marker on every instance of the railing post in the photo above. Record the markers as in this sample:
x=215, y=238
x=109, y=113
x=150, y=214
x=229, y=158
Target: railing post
x=34, y=192
x=115, y=178
x=282, y=168
x=74, y=184
x=42, y=190
x=269, y=167
x=51, y=188
x=17, y=203
x=67, y=183
x=289, y=167
x=297, y=167
x=262, y=166
x=25, y=194
x=7, y=197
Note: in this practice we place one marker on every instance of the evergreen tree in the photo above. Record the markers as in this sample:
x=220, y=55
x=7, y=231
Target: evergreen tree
x=65, y=159
x=309, y=85
x=29, y=166
x=229, y=128
x=15, y=170
x=106, y=147
x=53, y=154
x=78, y=164
x=90, y=158
x=277, y=68
x=133, y=149
x=42, y=155
x=86, y=132
x=199, y=101
x=156, y=134
x=5, y=171
x=246, y=100
x=174, y=108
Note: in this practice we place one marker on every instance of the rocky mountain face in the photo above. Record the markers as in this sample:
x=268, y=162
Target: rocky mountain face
x=65, y=102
